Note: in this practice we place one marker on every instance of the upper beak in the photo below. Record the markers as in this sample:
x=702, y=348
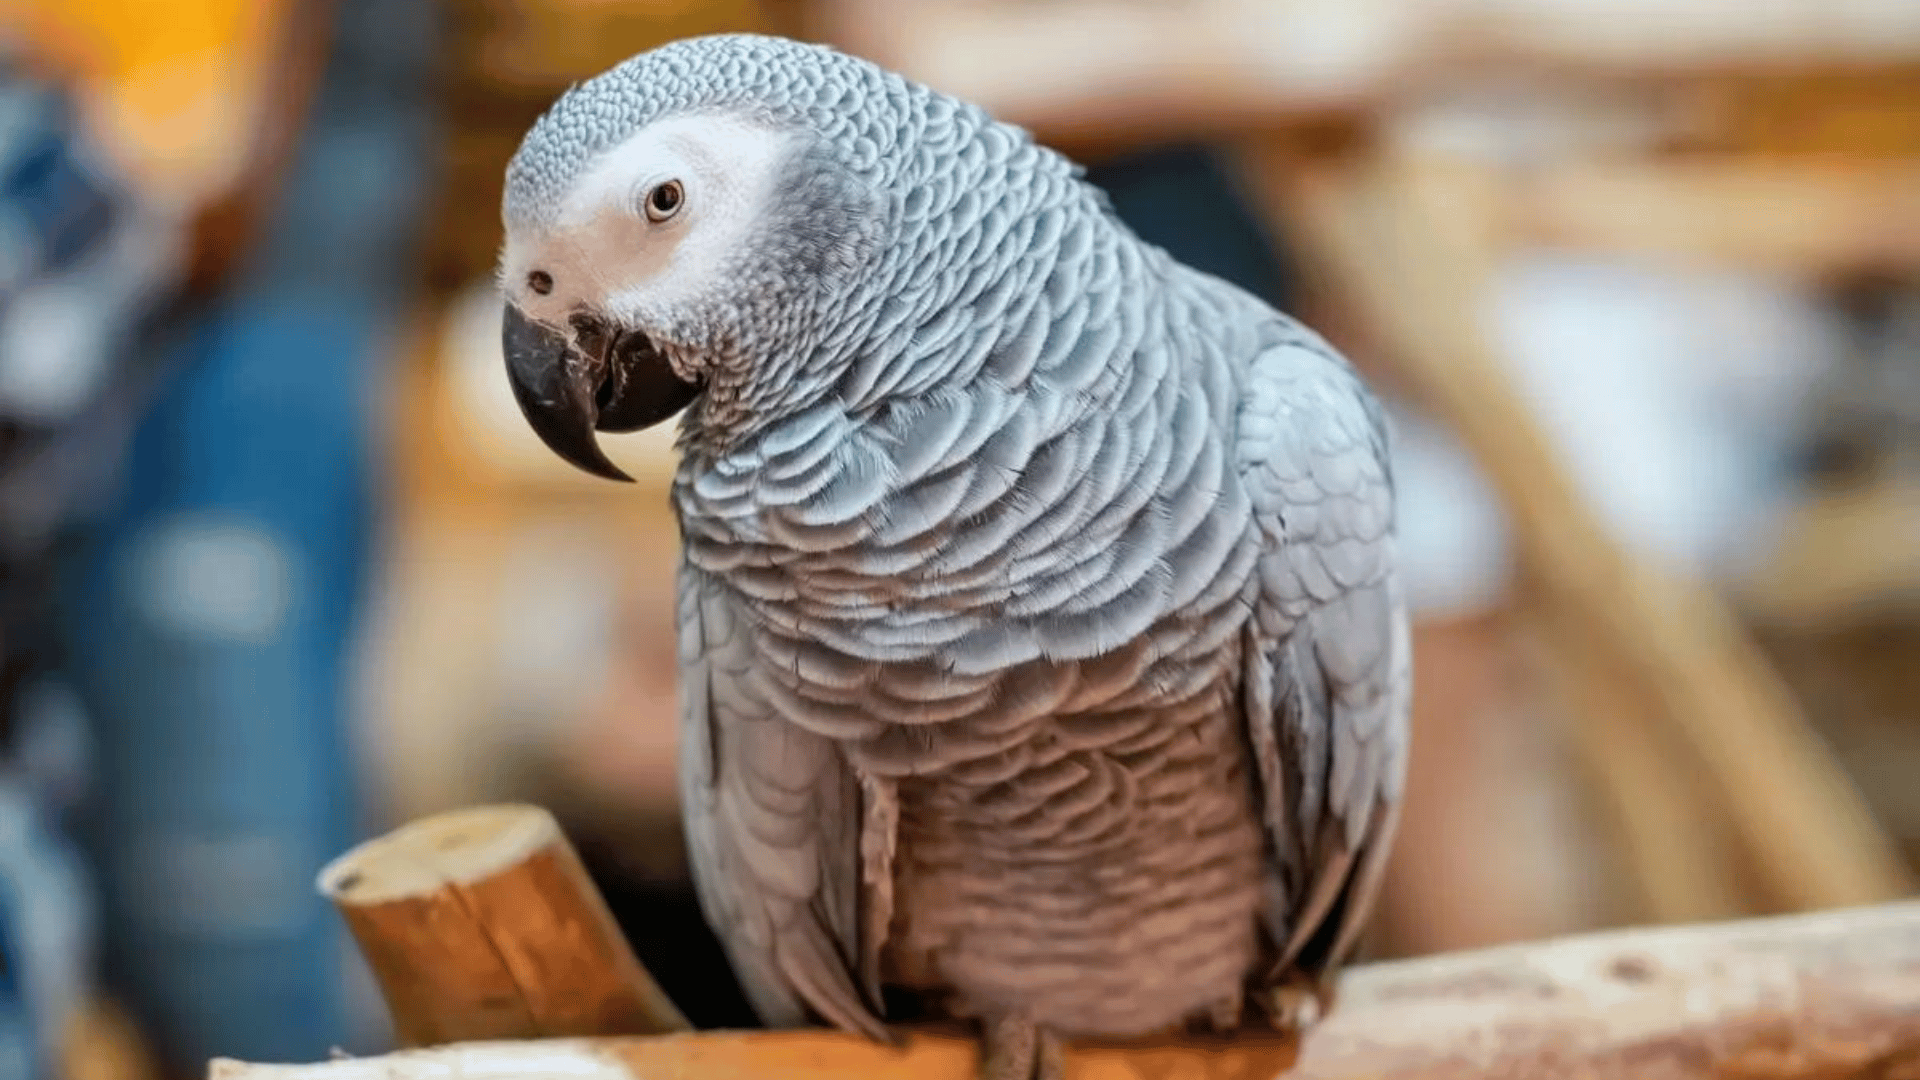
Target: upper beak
x=567, y=394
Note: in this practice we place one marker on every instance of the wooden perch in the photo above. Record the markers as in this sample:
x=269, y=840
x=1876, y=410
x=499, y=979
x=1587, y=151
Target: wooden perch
x=1834, y=994
x=483, y=924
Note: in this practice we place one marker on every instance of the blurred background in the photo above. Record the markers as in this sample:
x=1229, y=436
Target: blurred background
x=281, y=567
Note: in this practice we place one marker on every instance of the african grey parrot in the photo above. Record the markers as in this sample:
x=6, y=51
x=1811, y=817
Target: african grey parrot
x=1042, y=651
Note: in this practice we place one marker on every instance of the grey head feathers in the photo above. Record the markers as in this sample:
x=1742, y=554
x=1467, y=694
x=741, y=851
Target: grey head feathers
x=866, y=114
x=897, y=204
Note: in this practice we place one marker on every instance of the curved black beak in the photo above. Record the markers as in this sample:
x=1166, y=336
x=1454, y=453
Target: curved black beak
x=620, y=383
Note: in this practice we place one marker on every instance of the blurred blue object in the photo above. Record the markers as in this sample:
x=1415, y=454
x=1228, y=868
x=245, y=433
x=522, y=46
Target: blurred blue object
x=20, y=1053
x=46, y=927
x=210, y=618
x=81, y=266
x=209, y=626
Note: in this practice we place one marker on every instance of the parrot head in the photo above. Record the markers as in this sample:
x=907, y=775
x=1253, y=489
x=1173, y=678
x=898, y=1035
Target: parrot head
x=680, y=231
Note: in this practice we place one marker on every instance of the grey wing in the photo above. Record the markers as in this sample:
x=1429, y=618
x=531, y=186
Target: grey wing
x=1328, y=677
x=772, y=815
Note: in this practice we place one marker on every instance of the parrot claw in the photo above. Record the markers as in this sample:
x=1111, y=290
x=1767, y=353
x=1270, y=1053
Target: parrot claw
x=1297, y=1003
x=1021, y=1050
x=1225, y=1014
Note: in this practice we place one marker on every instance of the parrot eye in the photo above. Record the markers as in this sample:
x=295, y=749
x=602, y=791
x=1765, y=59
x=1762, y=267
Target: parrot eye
x=664, y=201
x=540, y=282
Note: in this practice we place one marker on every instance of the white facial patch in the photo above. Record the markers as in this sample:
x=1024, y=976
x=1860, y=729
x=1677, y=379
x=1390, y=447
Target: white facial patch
x=603, y=253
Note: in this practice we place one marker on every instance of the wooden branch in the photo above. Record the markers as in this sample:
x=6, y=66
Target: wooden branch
x=1094, y=71
x=1799, y=218
x=1666, y=833
x=1113, y=71
x=1416, y=268
x=1840, y=554
x=482, y=924
x=1829, y=995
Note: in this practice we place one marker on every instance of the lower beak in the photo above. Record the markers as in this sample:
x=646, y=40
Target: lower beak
x=568, y=395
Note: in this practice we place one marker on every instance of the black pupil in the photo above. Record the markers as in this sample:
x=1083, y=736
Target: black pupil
x=541, y=282
x=666, y=197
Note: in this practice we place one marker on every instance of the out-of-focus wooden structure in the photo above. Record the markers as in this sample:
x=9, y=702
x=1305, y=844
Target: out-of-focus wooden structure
x=1722, y=797
x=1831, y=994
x=1688, y=694
x=1091, y=73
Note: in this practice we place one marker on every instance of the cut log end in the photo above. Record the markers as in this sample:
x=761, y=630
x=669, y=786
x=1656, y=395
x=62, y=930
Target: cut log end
x=457, y=848
x=483, y=924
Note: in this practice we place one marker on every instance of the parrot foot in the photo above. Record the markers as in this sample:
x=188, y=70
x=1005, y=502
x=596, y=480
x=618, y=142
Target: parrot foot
x=1225, y=1014
x=1021, y=1050
x=1297, y=1003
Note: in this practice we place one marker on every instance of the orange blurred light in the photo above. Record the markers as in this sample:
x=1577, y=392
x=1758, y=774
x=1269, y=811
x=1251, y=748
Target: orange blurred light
x=173, y=90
